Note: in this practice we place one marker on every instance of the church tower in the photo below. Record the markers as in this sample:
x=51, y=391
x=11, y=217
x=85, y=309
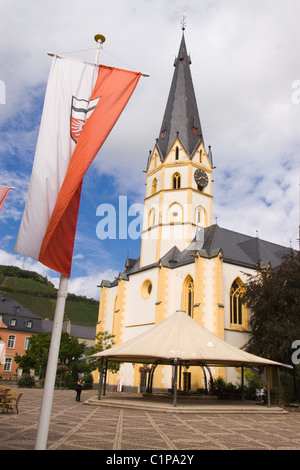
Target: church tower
x=179, y=172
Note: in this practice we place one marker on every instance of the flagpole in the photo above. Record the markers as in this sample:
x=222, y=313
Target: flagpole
x=46, y=406
x=62, y=293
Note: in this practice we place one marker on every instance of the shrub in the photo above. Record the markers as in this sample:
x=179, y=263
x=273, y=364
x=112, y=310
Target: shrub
x=26, y=381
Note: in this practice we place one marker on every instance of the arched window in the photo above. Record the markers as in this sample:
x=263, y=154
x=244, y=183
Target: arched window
x=176, y=181
x=177, y=153
x=151, y=217
x=188, y=296
x=154, y=186
x=238, y=311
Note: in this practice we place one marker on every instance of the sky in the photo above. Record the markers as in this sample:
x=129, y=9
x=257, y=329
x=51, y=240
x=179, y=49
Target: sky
x=246, y=75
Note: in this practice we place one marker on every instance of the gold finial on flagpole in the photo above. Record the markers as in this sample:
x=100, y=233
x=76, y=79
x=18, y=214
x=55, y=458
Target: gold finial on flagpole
x=100, y=39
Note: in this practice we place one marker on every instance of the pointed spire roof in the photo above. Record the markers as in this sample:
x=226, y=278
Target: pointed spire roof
x=181, y=118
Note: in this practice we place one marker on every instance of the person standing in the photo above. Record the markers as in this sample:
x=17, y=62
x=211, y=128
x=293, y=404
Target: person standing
x=78, y=389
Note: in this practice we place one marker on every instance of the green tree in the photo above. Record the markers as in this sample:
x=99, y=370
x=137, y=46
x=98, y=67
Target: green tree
x=273, y=297
x=104, y=340
x=36, y=356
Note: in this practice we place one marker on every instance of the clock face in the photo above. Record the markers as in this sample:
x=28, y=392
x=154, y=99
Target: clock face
x=201, y=178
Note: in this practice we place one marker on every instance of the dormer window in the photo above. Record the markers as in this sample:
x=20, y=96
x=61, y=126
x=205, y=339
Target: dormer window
x=12, y=322
x=177, y=153
x=163, y=134
x=28, y=324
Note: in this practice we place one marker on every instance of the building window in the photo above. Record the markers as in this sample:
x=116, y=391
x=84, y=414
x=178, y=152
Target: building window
x=28, y=324
x=7, y=365
x=177, y=153
x=154, y=186
x=12, y=322
x=176, y=181
x=238, y=311
x=188, y=295
x=26, y=343
x=146, y=289
x=11, y=341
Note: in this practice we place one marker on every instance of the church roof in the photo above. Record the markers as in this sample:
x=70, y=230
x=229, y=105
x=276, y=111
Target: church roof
x=181, y=118
x=236, y=248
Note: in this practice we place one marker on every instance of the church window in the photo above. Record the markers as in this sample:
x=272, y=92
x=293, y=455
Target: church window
x=151, y=217
x=154, y=186
x=238, y=311
x=163, y=134
x=200, y=154
x=177, y=153
x=188, y=296
x=176, y=181
x=146, y=289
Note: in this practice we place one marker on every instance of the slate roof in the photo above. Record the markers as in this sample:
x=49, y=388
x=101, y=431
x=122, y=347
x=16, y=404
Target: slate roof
x=77, y=331
x=236, y=248
x=10, y=308
x=181, y=116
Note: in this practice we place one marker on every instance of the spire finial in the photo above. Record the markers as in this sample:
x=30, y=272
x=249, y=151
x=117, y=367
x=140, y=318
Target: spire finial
x=183, y=22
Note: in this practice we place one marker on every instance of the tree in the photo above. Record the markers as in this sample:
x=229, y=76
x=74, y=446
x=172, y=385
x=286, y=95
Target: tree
x=36, y=356
x=104, y=340
x=273, y=297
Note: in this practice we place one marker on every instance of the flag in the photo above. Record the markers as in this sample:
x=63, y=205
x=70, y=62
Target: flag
x=83, y=101
x=4, y=190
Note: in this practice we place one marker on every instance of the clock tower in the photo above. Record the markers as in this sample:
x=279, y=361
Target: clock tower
x=179, y=172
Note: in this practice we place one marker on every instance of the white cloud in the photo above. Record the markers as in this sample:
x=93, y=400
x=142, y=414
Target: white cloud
x=244, y=63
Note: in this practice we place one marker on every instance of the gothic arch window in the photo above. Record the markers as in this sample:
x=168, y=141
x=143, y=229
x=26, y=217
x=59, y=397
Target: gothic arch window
x=238, y=310
x=152, y=217
x=188, y=295
x=175, y=213
x=176, y=181
x=154, y=186
x=200, y=216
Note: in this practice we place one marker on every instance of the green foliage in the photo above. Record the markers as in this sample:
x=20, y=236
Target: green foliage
x=273, y=297
x=104, y=340
x=38, y=294
x=26, y=381
x=36, y=356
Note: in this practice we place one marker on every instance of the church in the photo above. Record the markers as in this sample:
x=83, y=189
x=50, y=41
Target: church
x=186, y=262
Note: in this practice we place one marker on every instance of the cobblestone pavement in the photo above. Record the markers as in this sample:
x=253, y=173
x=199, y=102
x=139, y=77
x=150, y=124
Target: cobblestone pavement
x=77, y=426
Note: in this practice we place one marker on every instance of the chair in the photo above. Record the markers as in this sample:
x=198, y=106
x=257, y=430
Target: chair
x=12, y=402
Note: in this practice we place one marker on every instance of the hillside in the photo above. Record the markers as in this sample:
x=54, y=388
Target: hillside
x=38, y=294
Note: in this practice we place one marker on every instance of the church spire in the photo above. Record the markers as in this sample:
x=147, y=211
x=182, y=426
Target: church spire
x=181, y=118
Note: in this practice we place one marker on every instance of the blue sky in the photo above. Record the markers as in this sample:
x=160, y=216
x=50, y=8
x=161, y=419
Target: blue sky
x=246, y=73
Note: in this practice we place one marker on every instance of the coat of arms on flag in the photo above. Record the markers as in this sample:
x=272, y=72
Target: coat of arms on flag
x=80, y=111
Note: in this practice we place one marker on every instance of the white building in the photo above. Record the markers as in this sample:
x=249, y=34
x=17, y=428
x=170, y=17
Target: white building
x=186, y=262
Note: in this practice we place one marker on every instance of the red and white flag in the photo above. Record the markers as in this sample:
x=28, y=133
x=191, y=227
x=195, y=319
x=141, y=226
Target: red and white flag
x=82, y=104
x=4, y=190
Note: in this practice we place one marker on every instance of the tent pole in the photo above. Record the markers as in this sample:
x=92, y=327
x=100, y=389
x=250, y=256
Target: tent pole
x=243, y=384
x=105, y=376
x=100, y=379
x=175, y=382
x=268, y=387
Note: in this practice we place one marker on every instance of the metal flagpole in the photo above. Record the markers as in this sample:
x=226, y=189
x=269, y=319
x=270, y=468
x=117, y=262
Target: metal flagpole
x=46, y=406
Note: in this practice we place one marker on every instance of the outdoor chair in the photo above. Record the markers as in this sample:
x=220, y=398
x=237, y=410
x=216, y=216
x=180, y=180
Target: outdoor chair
x=12, y=402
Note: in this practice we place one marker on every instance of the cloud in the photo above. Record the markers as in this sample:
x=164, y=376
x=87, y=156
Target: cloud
x=244, y=64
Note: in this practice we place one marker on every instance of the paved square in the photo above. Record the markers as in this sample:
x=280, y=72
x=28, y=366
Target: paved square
x=77, y=426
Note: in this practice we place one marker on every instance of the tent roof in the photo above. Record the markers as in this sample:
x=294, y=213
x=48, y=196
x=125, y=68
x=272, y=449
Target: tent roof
x=181, y=337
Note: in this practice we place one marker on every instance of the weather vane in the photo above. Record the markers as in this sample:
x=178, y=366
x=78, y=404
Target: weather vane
x=183, y=22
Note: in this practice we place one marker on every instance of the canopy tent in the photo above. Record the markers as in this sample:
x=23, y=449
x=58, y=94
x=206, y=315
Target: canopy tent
x=181, y=340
